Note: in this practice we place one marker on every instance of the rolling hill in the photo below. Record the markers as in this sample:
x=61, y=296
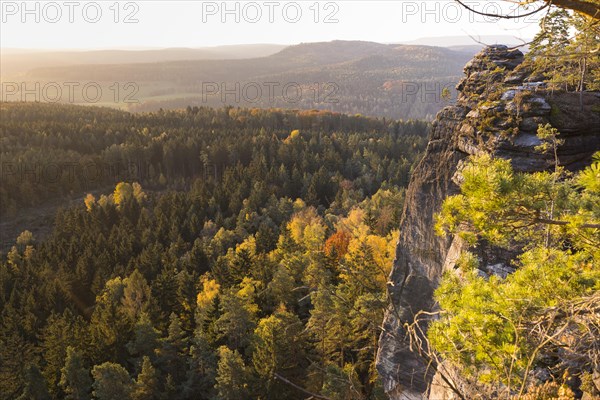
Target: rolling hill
x=390, y=80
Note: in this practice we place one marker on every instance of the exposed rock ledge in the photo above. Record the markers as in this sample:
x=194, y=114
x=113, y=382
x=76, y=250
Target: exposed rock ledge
x=489, y=116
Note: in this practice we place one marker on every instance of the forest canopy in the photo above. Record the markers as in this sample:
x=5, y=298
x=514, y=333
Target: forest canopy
x=250, y=262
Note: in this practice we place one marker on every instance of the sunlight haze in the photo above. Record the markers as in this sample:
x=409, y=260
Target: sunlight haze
x=161, y=24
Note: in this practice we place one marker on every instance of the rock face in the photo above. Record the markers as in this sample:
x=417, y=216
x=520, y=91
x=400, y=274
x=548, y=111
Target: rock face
x=493, y=114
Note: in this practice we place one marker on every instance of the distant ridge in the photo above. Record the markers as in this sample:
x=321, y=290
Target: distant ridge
x=399, y=81
x=17, y=61
x=476, y=41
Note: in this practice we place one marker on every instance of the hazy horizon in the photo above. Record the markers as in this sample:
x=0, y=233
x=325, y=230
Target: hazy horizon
x=152, y=25
x=443, y=41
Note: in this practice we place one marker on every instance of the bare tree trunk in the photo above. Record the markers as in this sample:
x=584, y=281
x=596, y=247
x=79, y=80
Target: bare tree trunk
x=582, y=81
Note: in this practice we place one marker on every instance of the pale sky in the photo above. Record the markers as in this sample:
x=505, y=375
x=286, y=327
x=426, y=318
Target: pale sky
x=108, y=24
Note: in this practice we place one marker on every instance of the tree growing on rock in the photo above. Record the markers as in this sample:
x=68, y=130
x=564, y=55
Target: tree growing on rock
x=497, y=331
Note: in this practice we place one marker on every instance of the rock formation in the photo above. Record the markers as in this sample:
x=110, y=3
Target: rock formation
x=498, y=113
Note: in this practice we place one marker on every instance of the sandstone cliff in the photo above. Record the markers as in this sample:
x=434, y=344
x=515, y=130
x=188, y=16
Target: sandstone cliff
x=492, y=114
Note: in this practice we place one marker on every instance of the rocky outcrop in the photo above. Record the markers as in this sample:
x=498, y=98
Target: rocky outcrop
x=494, y=113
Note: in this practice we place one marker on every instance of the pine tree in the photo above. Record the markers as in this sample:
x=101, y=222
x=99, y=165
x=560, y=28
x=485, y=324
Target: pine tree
x=173, y=350
x=110, y=327
x=202, y=370
x=232, y=376
x=145, y=338
x=59, y=332
x=237, y=320
x=485, y=327
x=16, y=353
x=550, y=43
x=35, y=385
x=136, y=295
x=146, y=385
x=111, y=382
x=75, y=378
x=278, y=347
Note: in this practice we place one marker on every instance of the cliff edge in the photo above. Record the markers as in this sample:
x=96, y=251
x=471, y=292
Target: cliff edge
x=497, y=111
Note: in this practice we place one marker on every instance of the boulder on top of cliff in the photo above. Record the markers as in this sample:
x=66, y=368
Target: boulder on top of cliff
x=498, y=55
x=487, y=68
